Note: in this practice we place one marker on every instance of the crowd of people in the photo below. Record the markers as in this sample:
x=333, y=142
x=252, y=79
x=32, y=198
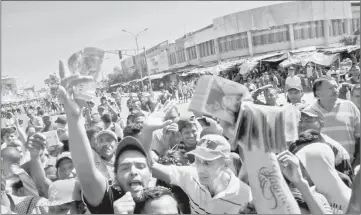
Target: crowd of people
x=159, y=161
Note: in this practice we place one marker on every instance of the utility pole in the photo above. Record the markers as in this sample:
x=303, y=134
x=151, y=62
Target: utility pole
x=146, y=65
x=136, y=41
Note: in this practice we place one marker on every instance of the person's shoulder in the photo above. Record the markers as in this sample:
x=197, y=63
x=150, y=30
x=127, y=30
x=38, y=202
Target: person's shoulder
x=347, y=103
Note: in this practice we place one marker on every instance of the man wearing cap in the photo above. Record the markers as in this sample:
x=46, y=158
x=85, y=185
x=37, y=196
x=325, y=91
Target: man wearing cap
x=294, y=94
x=210, y=184
x=64, y=197
x=106, y=142
x=341, y=117
x=292, y=80
x=310, y=121
x=65, y=167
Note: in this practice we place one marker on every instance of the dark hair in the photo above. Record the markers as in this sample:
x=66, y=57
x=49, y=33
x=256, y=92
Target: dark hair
x=132, y=130
x=149, y=194
x=41, y=112
x=7, y=130
x=127, y=148
x=249, y=209
x=318, y=83
x=65, y=145
x=91, y=132
x=27, y=128
x=130, y=118
x=174, y=157
x=106, y=118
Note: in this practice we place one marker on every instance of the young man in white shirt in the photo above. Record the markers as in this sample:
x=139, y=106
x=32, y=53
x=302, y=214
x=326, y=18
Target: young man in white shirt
x=292, y=80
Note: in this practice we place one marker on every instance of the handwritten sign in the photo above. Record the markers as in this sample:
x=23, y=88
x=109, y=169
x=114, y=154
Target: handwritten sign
x=52, y=138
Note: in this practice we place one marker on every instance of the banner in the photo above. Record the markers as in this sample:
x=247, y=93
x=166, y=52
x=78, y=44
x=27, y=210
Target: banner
x=158, y=63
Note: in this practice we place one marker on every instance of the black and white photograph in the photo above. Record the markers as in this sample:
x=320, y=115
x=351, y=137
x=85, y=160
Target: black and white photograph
x=180, y=107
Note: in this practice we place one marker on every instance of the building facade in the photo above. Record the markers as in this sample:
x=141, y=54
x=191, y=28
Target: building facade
x=284, y=26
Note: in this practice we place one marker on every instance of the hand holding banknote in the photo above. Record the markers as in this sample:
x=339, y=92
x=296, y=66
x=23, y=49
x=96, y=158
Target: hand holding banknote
x=66, y=91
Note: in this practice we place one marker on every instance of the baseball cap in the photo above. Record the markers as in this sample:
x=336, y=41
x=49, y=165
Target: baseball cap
x=46, y=116
x=185, y=122
x=138, y=114
x=61, y=157
x=308, y=114
x=106, y=132
x=64, y=191
x=211, y=147
x=61, y=120
x=130, y=141
x=296, y=87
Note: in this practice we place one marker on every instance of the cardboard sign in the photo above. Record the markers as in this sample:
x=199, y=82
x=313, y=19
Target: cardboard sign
x=52, y=138
x=220, y=98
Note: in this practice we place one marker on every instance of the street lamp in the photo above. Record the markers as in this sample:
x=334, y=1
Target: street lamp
x=136, y=42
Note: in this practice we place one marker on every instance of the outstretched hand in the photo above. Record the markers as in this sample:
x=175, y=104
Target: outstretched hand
x=72, y=105
x=156, y=120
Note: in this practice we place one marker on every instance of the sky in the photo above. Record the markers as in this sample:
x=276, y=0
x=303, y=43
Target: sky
x=36, y=35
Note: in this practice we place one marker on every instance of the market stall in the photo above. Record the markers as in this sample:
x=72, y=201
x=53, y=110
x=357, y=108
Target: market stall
x=303, y=58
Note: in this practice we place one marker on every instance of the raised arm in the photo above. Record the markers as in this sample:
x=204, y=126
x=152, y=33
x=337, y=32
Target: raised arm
x=291, y=169
x=36, y=146
x=154, y=122
x=92, y=181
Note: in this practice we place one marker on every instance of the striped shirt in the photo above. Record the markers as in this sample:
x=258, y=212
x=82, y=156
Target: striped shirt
x=230, y=201
x=342, y=123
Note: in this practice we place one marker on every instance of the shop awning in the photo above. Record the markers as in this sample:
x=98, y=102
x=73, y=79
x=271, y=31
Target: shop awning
x=277, y=58
x=158, y=76
x=247, y=67
x=306, y=57
x=347, y=49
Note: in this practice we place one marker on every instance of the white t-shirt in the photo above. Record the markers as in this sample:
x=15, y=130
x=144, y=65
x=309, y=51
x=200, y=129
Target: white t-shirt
x=329, y=72
x=293, y=81
x=233, y=199
x=309, y=72
x=319, y=161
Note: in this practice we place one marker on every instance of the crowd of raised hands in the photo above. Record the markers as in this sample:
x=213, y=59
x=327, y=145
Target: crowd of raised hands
x=166, y=163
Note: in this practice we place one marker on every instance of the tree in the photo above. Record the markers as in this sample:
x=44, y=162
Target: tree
x=52, y=80
x=348, y=40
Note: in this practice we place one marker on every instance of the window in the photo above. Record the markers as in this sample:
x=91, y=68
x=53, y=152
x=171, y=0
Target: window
x=233, y=42
x=207, y=48
x=181, y=57
x=355, y=24
x=172, y=58
x=192, y=53
x=308, y=30
x=269, y=36
x=337, y=27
